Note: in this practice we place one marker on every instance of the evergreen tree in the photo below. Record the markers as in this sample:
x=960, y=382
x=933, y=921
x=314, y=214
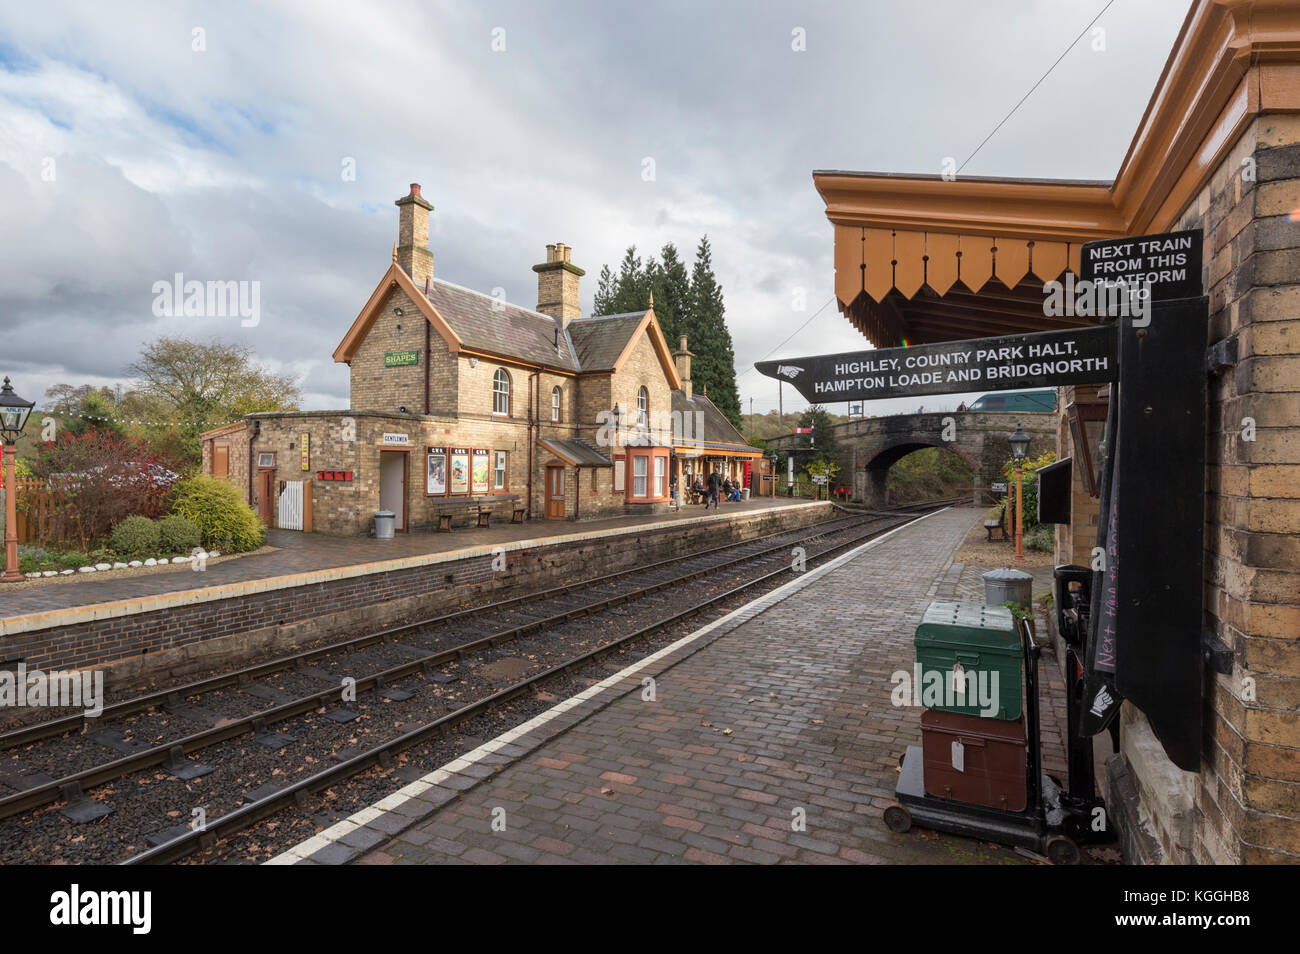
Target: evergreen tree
x=672, y=288
x=604, y=291
x=689, y=304
x=714, y=365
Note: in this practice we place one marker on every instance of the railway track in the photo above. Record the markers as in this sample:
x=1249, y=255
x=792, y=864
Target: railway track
x=429, y=675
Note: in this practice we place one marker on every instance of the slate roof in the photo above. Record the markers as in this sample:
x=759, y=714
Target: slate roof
x=600, y=340
x=577, y=451
x=484, y=323
x=488, y=324
x=718, y=434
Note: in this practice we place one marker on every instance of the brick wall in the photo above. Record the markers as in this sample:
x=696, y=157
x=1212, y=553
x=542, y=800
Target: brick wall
x=378, y=388
x=181, y=639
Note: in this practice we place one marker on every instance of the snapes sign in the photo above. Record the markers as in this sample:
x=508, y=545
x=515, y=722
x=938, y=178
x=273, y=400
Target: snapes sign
x=1009, y=363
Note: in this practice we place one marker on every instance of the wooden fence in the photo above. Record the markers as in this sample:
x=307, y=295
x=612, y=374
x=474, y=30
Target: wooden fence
x=41, y=521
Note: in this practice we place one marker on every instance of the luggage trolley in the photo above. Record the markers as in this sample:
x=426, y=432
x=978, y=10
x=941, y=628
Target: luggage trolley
x=1057, y=818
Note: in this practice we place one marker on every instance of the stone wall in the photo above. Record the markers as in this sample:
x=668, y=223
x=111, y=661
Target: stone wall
x=237, y=620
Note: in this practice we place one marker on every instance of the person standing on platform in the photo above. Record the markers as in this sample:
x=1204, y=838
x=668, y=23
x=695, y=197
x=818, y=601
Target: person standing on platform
x=675, y=492
x=715, y=484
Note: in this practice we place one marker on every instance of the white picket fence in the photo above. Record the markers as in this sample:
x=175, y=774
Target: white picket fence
x=290, y=508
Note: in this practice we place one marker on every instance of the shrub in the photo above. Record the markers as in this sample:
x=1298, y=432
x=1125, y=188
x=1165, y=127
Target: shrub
x=224, y=521
x=1042, y=537
x=135, y=538
x=176, y=534
x=72, y=559
x=33, y=559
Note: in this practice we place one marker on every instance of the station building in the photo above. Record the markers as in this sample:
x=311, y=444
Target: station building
x=462, y=403
x=921, y=259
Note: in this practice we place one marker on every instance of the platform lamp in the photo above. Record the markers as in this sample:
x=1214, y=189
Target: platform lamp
x=13, y=417
x=1019, y=442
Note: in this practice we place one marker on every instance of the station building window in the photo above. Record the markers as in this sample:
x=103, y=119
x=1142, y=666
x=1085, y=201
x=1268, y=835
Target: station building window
x=501, y=393
x=647, y=474
x=498, y=470
x=555, y=404
x=642, y=407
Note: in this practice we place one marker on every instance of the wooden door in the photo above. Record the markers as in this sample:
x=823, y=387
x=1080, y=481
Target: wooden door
x=554, y=492
x=266, y=495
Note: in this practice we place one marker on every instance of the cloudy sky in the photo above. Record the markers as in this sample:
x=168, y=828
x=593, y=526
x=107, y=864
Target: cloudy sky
x=141, y=140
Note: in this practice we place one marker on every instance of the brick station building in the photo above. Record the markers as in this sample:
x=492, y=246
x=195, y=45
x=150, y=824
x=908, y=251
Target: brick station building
x=921, y=259
x=461, y=402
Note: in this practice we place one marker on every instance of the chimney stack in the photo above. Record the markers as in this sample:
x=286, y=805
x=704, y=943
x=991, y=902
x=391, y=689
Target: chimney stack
x=557, y=284
x=413, y=235
x=682, y=358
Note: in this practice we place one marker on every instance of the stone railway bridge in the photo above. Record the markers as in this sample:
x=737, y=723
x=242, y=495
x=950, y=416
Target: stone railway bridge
x=869, y=446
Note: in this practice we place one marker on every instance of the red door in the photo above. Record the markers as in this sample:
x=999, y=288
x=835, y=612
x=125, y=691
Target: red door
x=266, y=496
x=554, y=492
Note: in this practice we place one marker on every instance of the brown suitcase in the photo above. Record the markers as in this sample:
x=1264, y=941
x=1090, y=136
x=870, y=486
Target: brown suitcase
x=974, y=760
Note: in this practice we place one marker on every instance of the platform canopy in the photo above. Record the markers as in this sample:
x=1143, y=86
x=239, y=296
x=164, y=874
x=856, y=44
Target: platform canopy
x=923, y=258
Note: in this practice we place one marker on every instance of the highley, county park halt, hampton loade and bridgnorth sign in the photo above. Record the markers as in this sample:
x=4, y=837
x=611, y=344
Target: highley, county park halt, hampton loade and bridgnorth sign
x=1145, y=292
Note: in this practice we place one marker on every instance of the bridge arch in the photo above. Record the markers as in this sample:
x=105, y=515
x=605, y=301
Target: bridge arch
x=870, y=446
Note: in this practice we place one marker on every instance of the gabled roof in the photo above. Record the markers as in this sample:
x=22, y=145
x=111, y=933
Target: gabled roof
x=715, y=431
x=576, y=452
x=600, y=341
x=471, y=321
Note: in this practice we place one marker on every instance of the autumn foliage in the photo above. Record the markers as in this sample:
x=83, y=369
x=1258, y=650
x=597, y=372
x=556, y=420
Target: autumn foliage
x=90, y=481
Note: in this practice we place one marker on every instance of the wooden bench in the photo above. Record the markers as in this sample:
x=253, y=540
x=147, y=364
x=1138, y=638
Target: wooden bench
x=991, y=525
x=518, y=515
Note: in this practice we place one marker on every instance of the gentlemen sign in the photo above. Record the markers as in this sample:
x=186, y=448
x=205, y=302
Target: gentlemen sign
x=1042, y=359
x=1169, y=264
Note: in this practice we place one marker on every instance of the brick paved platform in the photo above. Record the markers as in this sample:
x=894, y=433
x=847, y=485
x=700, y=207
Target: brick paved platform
x=780, y=711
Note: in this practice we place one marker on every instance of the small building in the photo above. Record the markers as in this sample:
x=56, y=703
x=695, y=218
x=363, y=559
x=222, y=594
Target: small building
x=462, y=402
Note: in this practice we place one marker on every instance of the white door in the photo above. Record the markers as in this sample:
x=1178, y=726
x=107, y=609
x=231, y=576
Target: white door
x=289, y=516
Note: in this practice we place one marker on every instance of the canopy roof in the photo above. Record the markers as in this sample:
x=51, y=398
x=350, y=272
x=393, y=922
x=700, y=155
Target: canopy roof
x=921, y=258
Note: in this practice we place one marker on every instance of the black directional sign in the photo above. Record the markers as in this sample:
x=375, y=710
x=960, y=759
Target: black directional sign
x=1010, y=363
x=1169, y=263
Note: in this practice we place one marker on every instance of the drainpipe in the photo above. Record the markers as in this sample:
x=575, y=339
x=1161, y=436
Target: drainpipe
x=531, y=388
x=577, y=490
x=257, y=429
x=426, y=359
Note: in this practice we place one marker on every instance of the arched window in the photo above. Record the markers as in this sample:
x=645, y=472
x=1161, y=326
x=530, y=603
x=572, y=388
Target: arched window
x=555, y=404
x=501, y=393
x=643, y=407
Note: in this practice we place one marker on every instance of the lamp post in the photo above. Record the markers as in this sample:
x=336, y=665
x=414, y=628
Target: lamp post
x=1019, y=442
x=13, y=417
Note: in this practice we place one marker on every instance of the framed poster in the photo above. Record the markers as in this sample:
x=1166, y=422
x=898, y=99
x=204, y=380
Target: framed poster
x=435, y=472
x=482, y=470
x=459, y=479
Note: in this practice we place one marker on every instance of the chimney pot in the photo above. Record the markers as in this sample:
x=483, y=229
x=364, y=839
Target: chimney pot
x=415, y=188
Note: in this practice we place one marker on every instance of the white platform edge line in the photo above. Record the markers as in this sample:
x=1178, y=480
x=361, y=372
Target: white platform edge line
x=412, y=790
